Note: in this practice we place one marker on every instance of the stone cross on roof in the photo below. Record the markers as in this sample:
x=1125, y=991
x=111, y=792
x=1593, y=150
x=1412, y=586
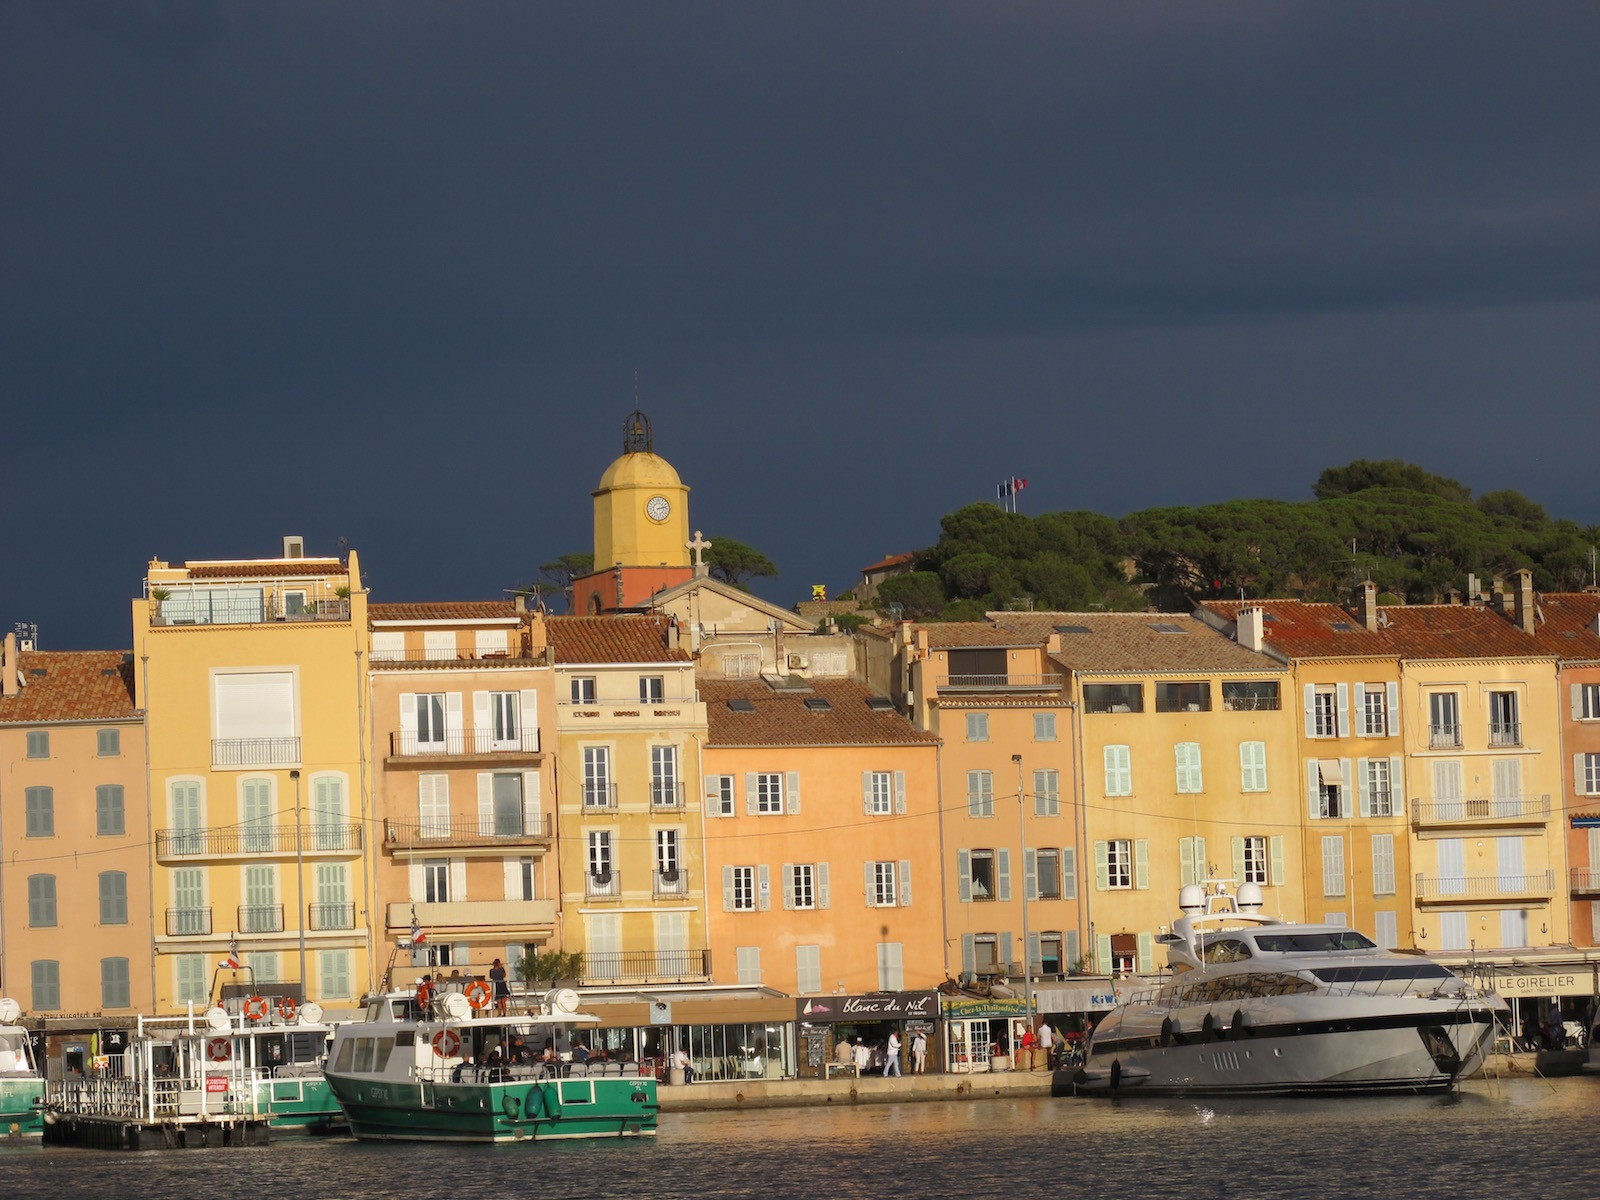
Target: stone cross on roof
x=699, y=545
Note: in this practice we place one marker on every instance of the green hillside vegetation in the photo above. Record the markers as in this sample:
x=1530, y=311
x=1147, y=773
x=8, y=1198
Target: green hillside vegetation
x=1416, y=534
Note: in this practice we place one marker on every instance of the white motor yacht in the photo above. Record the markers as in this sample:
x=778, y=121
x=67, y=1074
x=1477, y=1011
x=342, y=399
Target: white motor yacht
x=1260, y=1005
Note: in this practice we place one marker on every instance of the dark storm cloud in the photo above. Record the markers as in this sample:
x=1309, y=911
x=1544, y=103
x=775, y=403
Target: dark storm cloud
x=281, y=261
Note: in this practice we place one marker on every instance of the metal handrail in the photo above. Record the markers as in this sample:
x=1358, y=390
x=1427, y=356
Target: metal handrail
x=254, y=839
x=255, y=752
x=456, y=828
x=260, y=918
x=1444, y=737
x=479, y=741
x=325, y=916
x=1585, y=879
x=1505, y=733
x=1433, y=810
x=678, y=885
x=595, y=889
x=666, y=793
x=1449, y=887
x=1004, y=680
x=188, y=922
x=599, y=797
x=244, y=601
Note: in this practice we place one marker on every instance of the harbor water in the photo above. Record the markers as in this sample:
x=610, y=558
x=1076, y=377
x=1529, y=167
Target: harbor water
x=1525, y=1137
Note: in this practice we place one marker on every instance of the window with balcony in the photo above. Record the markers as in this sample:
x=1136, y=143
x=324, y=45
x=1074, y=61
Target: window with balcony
x=430, y=722
x=261, y=912
x=256, y=812
x=1374, y=710
x=1113, y=697
x=601, y=859
x=669, y=862
x=666, y=787
x=1505, y=727
x=1250, y=696
x=1324, y=712
x=189, y=916
x=39, y=809
x=184, y=800
x=330, y=903
x=1183, y=697
x=505, y=720
x=769, y=792
x=980, y=793
x=1044, y=727
x=879, y=793
x=330, y=813
x=388, y=646
x=41, y=901
x=1046, y=792
x=38, y=743
x=254, y=718
x=439, y=644
x=744, y=889
x=598, y=790
x=980, y=874
x=108, y=743
x=109, y=820
x=506, y=798
x=977, y=727
x=652, y=689
x=583, y=690
x=113, y=898
x=1444, y=720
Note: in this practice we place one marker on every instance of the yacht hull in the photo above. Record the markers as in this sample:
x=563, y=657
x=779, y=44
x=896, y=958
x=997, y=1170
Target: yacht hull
x=513, y=1111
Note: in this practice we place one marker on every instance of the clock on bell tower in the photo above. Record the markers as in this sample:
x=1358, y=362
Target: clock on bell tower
x=641, y=508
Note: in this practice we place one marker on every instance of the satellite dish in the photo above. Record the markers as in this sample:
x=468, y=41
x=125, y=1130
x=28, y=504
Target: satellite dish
x=217, y=1020
x=10, y=1010
x=457, y=1007
x=311, y=1013
x=563, y=1001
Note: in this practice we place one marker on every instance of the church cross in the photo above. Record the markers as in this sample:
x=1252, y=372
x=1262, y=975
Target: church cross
x=699, y=545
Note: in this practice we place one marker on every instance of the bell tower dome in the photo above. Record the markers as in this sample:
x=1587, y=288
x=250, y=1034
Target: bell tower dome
x=641, y=508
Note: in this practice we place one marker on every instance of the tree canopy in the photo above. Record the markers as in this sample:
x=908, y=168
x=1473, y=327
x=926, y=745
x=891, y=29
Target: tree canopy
x=734, y=563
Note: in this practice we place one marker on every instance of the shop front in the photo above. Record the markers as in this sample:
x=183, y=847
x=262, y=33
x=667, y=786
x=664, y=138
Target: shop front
x=1553, y=1003
x=982, y=1034
x=1073, y=1008
x=824, y=1024
x=743, y=1034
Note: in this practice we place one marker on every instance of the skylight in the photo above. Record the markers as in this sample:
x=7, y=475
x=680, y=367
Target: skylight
x=740, y=704
x=1169, y=628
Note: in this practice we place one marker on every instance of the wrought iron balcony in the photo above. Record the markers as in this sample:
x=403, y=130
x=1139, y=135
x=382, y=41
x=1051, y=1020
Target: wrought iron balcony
x=260, y=918
x=1444, y=737
x=255, y=752
x=188, y=922
x=259, y=841
x=646, y=966
x=599, y=797
x=1585, y=881
x=1000, y=683
x=671, y=883
x=478, y=742
x=1435, y=888
x=666, y=793
x=602, y=887
x=331, y=916
x=452, y=831
x=1505, y=733
x=1481, y=810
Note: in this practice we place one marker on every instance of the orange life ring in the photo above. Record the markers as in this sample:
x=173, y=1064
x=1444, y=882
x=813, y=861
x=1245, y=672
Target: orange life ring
x=478, y=994
x=287, y=1007
x=256, y=1008
x=446, y=1042
x=219, y=1050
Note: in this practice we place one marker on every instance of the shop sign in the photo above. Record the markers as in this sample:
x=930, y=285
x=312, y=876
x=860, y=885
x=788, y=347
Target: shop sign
x=891, y=1006
x=969, y=1009
x=1548, y=982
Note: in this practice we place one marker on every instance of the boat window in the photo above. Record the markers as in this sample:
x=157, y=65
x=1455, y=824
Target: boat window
x=1276, y=984
x=375, y=1011
x=1314, y=943
x=1226, y=950
x=346, y=1050
x=363, y=1054
x=13, y=1058
x=405, y=1037
x=1418, y=971
x=380, y=1056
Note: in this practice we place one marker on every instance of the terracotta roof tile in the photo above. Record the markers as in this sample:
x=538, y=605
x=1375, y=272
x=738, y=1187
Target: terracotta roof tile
x=71, y=685
x=622, y=638
x=782, y=718
x=1301, y=630
x=442, y=610
x=956, y=635
x=272, y=568
x=1130, y=643
x=1567, y=629
x=1458, y=631
x=893, y=560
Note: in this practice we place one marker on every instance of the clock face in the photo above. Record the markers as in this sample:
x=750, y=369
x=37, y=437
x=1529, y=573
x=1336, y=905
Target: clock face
x=658, y=509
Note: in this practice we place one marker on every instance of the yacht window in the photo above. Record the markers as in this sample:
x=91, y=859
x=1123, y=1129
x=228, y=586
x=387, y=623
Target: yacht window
x=1404, y=971
x=1280, y=985
x=405, y=1037
x=1226, y=950
x=375, y=1011
x=346, y=1050
x=363, y=1054
x=380, y=1056
x=1314, y=943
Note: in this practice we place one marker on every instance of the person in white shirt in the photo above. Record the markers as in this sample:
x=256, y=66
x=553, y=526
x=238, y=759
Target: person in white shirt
x=863, y=1056
x=919, y=1051
x=1047, y=1039
x=680, y=1060
x=891, y=1056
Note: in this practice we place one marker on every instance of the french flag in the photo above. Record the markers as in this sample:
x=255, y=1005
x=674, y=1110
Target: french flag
x=417, y=936
x=232, y=963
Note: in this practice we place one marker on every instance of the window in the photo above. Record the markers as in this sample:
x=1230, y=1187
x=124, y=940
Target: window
x=254, y=718
x=1385, y=930
x=769, y=792
x=1044, y=727
x=880, y=793
x=1374, y=714
x=1046, y=793
x=430, y=721
x=1504, y=727
x=41, y=901
x=598, y=791
x=108, y=814
x=600, y=855
x=808, y=970
x=1252, y=766
x=891, y=972
x=1333, y=866
x=881, y=892
x=1047, y=870
x=505, y=712
x=1586, y=702
x=113, y=898
x=1329, y=789
x=439, y=644
x=801, y=886
x=977, y=727
x=719, y=795
x=108, y=743
x=261, y=912
x=189, y=978
x=46, y=986
x=1049, y=960
x=114, y=983
x=1119, y=771
x=1383, y=864
x=651, y=689
x=388, y=647
x=185, y=801
x=748, y=960
x=1250, y=697
x=666, y=791
x=980, y=793
x=744, y=889
x=263, y=965
x=525, y=878
x=1119, y=864
x=38, y=743
x=189, y=914
x=1380, y=796
x=256, y=797
x=583, y=689
x=1113, y=697
x=980, y=874
x=669, y=861
x=1453, y=931
x=1255, y=860
x=436, y=880
x=1183, y=697
x=1324, y=712
x=1192, y=861
x=1187, y=755
x=39, y=803
x=334, y=971
x=1444, y=720
x=1586, y=775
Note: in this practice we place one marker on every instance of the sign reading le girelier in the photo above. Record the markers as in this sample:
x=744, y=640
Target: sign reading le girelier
x=889, y=1006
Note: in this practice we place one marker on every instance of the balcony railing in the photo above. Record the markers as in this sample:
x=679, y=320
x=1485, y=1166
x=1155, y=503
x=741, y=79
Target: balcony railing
x=260, y=918
x=331, y=916
x=245, y=602
x=1505, y=733
x=252, y=841
x=671, y=883
x=1481, y=810
x=188, y=922
x=1444, y=737
x=410, y=745
x=1000, y=683
x=1485, y=887
x=666, y=793
x=255, y=752
x=1585, y=881
x=599, y=797
x=462, y=831
x=602, y=887
x=646, y=966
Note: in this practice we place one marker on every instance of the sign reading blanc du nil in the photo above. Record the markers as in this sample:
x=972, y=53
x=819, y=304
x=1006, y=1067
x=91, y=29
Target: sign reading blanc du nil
x=889, y=1006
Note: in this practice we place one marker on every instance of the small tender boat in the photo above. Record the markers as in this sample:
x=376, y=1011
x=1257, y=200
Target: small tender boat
x=21, y=1083
x=1259, y=1005
x=420, y=1067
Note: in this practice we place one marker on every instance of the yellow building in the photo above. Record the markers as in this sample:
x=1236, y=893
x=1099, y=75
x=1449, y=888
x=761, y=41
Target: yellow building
x=253, y=675
x=463, y=720
x=822, y=838
x=74, y=884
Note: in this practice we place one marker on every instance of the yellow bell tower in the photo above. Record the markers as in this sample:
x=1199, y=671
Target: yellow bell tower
x=641, y=508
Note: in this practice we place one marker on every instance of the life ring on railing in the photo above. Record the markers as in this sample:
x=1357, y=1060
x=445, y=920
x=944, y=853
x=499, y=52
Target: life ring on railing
x=479, y=995
x=256, y=1008
x=287, y=1007
x=446, y=1042
x=219, y=1050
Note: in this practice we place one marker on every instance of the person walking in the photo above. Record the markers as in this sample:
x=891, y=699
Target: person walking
x=919, y=1051
x=891, y=1056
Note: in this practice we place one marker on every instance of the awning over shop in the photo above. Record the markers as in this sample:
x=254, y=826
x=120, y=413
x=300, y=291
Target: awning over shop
x=1087, y=996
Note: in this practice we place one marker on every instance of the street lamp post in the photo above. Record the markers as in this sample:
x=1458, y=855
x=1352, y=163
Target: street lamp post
x=300, y=884
x=1022, y=825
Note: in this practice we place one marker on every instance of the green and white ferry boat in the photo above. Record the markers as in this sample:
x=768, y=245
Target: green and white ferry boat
x=446, y=1069
x=21, y=1084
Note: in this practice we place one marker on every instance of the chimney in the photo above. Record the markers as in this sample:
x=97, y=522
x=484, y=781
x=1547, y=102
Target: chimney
x=1452, y=596
x=1369, y=606
x=1251, y=628
x=520, y=600
x=1474, y=591
x=672, y=633
x=1524, y=601
x=11, y=685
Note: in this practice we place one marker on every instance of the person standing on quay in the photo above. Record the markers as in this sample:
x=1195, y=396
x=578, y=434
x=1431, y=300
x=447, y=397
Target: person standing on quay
x=891, y=1055
x=919, y=1051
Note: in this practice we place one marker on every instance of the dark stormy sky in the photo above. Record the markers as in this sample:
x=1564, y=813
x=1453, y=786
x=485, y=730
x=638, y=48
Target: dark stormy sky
x=385, y=271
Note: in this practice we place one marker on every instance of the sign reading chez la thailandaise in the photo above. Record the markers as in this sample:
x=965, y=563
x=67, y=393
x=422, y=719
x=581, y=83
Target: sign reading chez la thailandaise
x=889, y=1006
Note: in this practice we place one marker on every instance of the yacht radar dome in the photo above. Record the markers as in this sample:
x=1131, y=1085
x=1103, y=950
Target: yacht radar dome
x=1192, y=899
x=1250, y=897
